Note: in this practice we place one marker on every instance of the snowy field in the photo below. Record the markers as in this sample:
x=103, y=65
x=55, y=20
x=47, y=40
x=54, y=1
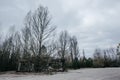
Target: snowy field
x=81, y=74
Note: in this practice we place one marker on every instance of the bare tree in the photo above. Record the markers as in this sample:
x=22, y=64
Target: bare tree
x=98, y=58
x=7, y=47
x=74, y=48
x=26, y=42
x=29, y=35
x=74, y=52
x=63, y=47
x=41, y=26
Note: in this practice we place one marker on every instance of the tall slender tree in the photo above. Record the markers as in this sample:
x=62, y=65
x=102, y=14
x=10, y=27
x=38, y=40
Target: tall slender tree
x=63, y=47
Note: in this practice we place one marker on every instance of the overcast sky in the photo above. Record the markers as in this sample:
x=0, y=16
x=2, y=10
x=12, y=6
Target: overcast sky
x=96, y=23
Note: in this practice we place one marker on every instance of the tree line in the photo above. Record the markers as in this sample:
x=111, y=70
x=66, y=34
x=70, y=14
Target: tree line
x=37, y=48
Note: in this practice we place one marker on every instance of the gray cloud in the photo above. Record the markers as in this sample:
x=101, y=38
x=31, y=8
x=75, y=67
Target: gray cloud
x=94, y=22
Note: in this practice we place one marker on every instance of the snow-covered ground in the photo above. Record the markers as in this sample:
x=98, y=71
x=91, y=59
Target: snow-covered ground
x=81, y=74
